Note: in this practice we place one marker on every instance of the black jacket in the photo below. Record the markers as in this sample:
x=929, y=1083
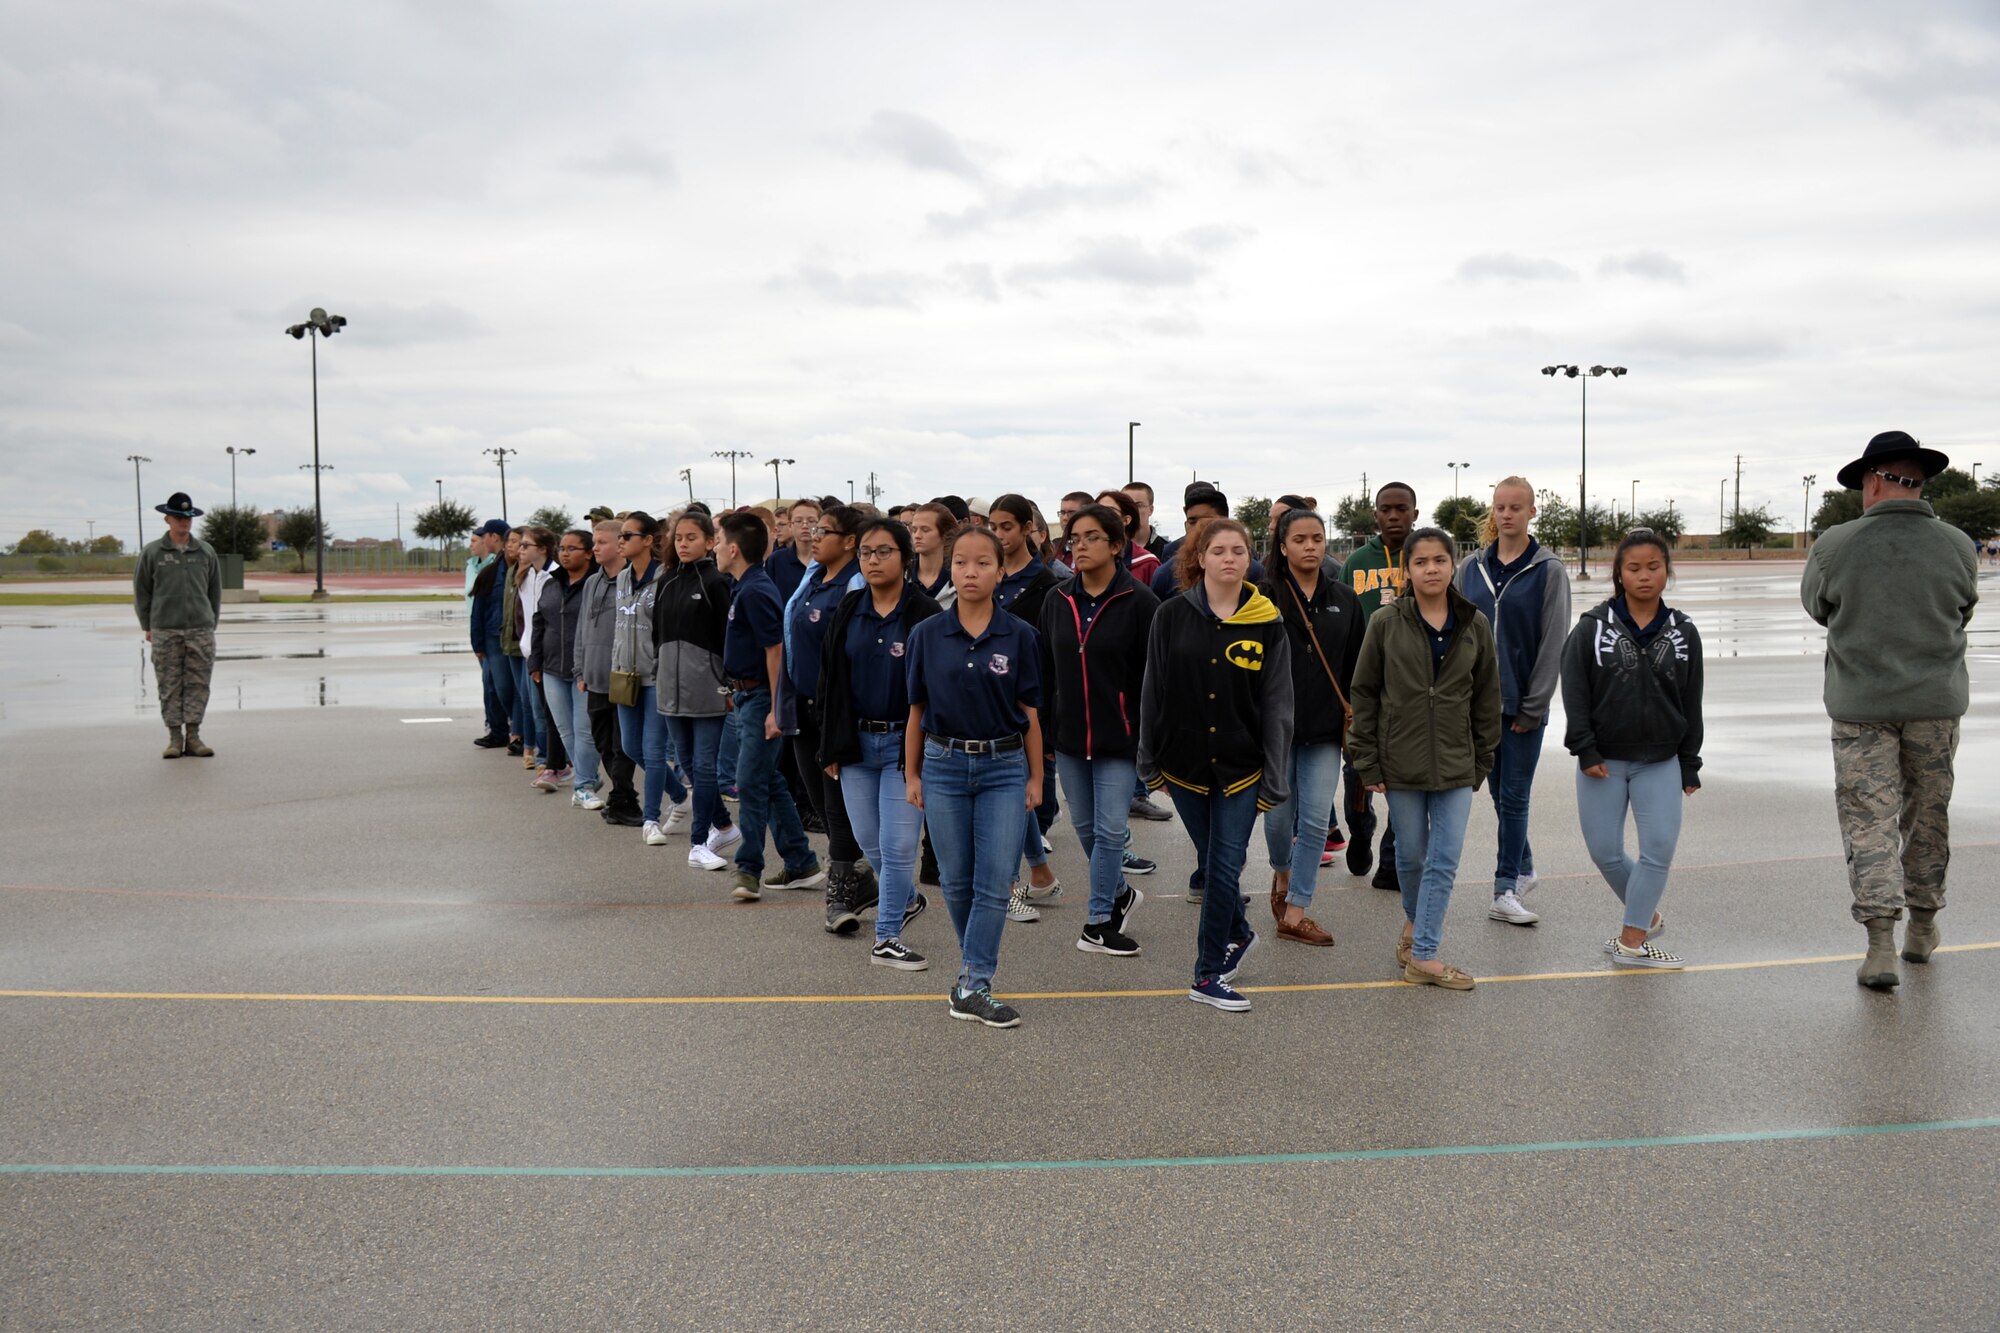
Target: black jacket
x=1641, y=705
x=690, y=616
x=557, y=615
x=1216, y=710
x=839, y=730
x=1027, y=608
x=1092, y=679
x=1334, y=615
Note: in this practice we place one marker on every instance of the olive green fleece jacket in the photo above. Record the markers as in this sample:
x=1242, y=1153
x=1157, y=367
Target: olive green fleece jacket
x=177, y=587
x=1895, y=589
x=1419, y=730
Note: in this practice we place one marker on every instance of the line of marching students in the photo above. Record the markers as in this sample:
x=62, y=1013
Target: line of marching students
x=920, y=685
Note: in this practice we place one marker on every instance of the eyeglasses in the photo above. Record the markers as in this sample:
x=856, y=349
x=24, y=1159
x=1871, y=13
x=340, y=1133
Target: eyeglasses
x=820, y=532
x=631, y=536
x=878, y=552
x=1907, y=483
x=571, y=550
x=1089, y=539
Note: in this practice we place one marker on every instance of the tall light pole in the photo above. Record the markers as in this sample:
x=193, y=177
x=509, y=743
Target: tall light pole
x=1722, y=510
x=1634, y=511
x=1583, y=455
x=687, y=475
x=319, y=325
x=444, y=549
x=500, y=455
x=1456, y=468
x=232, y=451
x=1805, y=518
x=732, y=455
x=850, y=490
x=1131, y=473
x=777, y=477
x=138, y=498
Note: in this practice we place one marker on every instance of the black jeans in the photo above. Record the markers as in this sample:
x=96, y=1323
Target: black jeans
x=821, y=790
x=604, y=733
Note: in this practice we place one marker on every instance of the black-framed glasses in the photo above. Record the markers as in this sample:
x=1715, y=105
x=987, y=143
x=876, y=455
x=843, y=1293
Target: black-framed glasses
x=878, y=552
x=820, y=532
x=1088, y=539
x=1907, y=483
x=572, y=550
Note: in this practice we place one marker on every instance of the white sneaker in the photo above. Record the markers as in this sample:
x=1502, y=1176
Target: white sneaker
x=1047, y=846
x=1052, y=889
x=1525, y=884
x=720, y=840
x=1018, y=907
x=654, y=835
x=589, y=800
x=1509, y=908
x=679, y=815
x=700, y=858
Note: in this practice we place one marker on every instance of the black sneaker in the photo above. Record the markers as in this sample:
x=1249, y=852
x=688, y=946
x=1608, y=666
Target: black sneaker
x=1104, y=937
x=896, y=954
x=514, y=748
x=1128, y=901
x=1135, y=864
x=810, y=818
x=1387, y=879
x=1361, y=843
x=979, y=1006
x=915, y=909
x=625, y=816
x=490, y=742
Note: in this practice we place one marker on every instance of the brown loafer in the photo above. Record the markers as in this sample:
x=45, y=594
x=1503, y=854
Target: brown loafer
x=1402, y=954
x=1306, y=931
x=1451, y=978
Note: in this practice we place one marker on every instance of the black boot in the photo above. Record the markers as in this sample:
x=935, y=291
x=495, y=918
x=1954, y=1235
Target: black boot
x=841, y=918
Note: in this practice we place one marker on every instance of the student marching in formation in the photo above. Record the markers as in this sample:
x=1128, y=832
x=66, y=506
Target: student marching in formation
x=1426, y=724
x=864, y=701
x=972, y=756
x=1025, y=581
x=1215, y=726
x=642, y=728
x=690, y=619
x=1375, y=572
x=1523, y=591
x=1631, y=681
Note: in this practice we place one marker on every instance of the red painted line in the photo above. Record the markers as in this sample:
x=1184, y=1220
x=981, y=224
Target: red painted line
x=793, y=900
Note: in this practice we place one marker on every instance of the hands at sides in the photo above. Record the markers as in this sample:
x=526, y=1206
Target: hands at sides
x=1034, y=792
x=1597, y=771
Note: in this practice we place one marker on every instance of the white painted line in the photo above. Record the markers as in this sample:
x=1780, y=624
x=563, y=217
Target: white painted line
x=418, y=721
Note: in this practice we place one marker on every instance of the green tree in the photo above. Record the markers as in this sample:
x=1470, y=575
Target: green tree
x=238, y=531
x=1254, y=513
x=1750, y=528
x=1355, y=516
x=446, y=521
x=553, y=517
x=1460, y=516
x=107, y=545
x=1555, y=521
x=1666, y=522
x=1836, y=507
x=1976, y=513
x=40, y=541
x=300, y=532
x=1952, y=481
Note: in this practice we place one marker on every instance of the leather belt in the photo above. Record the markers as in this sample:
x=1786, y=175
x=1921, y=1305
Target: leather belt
x=881, y=728
x=1005, y=745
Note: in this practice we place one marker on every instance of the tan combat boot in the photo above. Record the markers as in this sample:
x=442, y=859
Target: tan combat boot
x=1878, y=969
x=1922, y=938
x=174, y=749
x=195, y=746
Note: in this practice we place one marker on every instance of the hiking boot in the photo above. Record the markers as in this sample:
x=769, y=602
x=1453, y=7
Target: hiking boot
x=195, y=746
x=1386, y=878
x=1922, y=938
x=1878, y=969
x=174, y=749
x=841, y=918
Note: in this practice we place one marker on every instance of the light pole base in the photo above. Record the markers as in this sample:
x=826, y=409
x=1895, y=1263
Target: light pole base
x=321, y=595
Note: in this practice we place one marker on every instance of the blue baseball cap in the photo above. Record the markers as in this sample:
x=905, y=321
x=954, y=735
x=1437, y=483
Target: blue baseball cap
x=492, y=527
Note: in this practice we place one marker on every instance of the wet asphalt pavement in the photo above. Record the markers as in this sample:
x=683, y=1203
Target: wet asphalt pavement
x=356, y=948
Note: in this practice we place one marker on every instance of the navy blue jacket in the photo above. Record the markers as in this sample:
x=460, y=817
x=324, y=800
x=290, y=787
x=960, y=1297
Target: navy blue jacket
x=487, y=592
x=1530, y=617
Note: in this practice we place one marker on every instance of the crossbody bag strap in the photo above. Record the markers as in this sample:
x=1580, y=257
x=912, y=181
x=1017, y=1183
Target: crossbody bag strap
x=1318, y=651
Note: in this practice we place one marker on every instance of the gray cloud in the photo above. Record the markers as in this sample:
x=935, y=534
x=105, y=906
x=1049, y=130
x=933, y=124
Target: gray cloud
x=975, y=280
x=1953, y=92
x=882, y=289
x=631, y=159
x=1513, y=268
x=1704, y=344
x=396, y=326
x=1123, y=260
x=1651, y=265
x=1214, y=237
x=921, y=144
x=1007, y=204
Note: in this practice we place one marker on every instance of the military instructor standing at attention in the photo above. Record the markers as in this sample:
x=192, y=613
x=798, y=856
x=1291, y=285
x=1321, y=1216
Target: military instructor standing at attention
x=1895, y=589
x=177, y=592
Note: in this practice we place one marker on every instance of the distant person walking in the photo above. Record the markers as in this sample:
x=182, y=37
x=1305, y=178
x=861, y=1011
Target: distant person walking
x=177, y=593
x=1895, y=589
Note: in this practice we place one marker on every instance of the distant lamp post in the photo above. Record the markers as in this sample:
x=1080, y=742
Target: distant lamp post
x=732, y=455
x=319, y=532
x=1805, y=518
x=850, y=490
x=319, y=325
x=501, y=455
x=1456, y=468
x=687, y=475
x=777, y=477
x=1131, y=473
x=1722, y=511
x=138, y=497
x=1634, y=511
x=233, y=451
x=1583, y=455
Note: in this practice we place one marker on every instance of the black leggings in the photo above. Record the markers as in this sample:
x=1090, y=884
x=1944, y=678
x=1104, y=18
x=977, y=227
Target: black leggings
x=821, y=790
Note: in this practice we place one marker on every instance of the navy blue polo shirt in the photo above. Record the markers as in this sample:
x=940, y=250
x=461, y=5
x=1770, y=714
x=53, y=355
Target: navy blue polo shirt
x=756, y=622
x=1010, y=590
x=1440, y=638
x=877, y=656
x=975, y=689
x=811, y=615
x=786, y=570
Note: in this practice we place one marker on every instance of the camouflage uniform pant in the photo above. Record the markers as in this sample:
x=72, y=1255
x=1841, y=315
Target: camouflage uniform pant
x=183, y=660
x=1892, y=789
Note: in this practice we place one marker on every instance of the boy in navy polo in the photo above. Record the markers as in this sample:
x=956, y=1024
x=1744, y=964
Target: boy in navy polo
x=752, y=658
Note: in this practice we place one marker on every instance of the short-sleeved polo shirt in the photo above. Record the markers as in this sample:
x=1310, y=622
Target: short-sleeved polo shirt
x=878, y=658
x=975, y=689
x=756, y=622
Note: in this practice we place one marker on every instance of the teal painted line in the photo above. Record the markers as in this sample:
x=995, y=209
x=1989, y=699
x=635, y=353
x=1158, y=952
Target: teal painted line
x=1079, y=1164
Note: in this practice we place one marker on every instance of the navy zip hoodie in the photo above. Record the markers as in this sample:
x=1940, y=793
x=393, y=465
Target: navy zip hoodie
x=1527, y=604
x=1093, y=676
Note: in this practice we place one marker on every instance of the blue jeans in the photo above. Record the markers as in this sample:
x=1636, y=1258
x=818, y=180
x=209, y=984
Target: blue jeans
x=1430, y=834
x=762, y=798
x=1510, y=781
x=522, y=710
x=697, y=740
x=497, y=686
x=1295, y=832
x=1100, y=807
x=1220, y=826
x=975, y=805
x=569, y=715
x=885, y=824
x=642, y=734
x=725, y=753
x=1653, y=792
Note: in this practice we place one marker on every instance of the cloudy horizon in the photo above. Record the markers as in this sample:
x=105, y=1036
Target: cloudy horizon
x=962, y=249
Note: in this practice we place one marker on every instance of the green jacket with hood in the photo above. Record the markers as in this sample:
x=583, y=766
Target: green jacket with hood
x=1416, y=730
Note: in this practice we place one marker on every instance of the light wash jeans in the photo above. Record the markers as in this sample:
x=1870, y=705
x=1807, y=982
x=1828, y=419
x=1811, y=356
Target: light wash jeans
x=1295, y=832
x=569, y=714
x=1100, y=806
x=526, y=717
x=642, y=734
x=1430, y=834
x=697, y=741
x=885, y=824
x=975, y=805
x=1653, y=793
x=1510, y=783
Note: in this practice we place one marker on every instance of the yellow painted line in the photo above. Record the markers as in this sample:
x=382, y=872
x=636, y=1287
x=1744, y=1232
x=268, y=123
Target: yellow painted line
x=926, y=997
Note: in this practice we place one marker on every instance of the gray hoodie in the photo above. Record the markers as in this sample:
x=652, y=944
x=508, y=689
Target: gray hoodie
x=593, y=634
x=632, y=633
x=1530, y=616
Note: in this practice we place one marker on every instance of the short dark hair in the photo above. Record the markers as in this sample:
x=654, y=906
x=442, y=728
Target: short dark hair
x=848, y=517
x=1403, y=486
x=1139, y=486
x=1206, y=495
x=1108, y=520
x=898, y=533
x=698, y=507
x=748, y=533
x=1084, y=496
x=956, y=504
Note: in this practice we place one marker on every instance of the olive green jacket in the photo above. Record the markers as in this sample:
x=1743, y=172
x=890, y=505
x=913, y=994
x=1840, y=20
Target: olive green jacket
x=177, y=587
x=1418, y=731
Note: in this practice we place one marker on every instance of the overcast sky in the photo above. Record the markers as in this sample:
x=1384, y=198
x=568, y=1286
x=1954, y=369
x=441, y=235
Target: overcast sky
x=963, y=246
